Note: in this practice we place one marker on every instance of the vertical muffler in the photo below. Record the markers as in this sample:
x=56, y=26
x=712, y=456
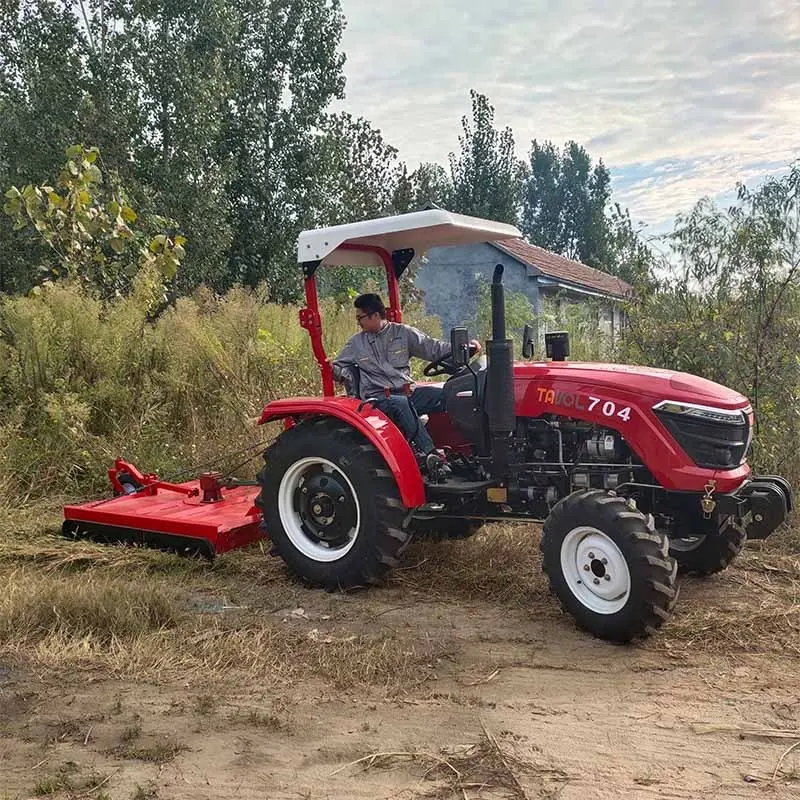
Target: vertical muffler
x=500, y=381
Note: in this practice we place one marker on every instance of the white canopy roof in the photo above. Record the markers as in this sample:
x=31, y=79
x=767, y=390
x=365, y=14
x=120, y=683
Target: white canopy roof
x=419, y=230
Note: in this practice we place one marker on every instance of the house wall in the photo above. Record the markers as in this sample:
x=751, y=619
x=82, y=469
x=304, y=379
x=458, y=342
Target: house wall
x=451, y=277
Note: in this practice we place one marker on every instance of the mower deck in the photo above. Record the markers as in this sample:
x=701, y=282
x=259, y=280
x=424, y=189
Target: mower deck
x=177, y=517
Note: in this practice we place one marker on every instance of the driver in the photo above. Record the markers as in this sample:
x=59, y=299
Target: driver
x=382, y=351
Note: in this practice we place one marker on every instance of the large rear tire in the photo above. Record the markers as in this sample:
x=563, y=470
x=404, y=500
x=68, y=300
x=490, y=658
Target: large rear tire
x=609, y=569
x=331, y=506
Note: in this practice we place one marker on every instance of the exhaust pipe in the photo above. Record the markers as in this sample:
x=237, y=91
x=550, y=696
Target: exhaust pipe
x=500, y=380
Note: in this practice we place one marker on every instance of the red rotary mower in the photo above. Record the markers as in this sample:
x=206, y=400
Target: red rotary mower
x=636, y=473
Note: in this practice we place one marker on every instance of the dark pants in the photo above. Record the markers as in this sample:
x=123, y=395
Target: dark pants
x=423, y=400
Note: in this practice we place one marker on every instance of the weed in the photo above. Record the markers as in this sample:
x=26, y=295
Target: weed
x=149, y=792
x=161, y=751
x=132, y=732
x=49, y=785
x=75, y=393
x=263, y=720
x=68, y=779
x=205, y=704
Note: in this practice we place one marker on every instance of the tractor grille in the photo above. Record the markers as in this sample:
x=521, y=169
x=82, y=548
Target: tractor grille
x=711, y=443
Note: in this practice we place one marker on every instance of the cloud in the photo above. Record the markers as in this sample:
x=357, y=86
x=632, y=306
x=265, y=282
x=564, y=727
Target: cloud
x=681, y=99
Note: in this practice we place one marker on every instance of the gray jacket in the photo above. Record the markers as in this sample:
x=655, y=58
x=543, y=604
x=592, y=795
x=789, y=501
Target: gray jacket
x=383, y=357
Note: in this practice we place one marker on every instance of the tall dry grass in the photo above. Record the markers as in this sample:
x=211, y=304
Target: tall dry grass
x=82, y=381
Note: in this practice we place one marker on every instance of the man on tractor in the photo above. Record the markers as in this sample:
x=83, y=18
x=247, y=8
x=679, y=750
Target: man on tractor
x=374, y=365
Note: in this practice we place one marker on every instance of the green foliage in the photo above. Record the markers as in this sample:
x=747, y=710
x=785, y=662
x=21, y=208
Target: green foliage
x=519, y=311
x=588, y=341
x=285, y=68
x=428, y=184
x=486, y=175
x=207, y=109
x=728, y=311
x=90, y=229
x=41, y=90
x=357, y=171
x=565, y=203
x=588, y=322
x=628, y=255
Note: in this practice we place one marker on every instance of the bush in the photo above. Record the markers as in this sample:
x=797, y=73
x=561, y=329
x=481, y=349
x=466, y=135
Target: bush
x=728, y=311
x=83, y=380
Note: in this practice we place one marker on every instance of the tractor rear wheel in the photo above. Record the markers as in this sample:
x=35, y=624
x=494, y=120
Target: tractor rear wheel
x=609, y=569
x=331, y=506
x=707, y=554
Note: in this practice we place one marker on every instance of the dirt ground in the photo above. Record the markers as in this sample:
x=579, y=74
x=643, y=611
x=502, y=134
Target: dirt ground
x=497, y=698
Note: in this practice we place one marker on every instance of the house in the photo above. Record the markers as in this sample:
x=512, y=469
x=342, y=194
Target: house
x=452, y=278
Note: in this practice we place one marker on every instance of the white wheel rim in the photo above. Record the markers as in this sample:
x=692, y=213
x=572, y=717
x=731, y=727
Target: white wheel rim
x=292, y=522
x=595, y=570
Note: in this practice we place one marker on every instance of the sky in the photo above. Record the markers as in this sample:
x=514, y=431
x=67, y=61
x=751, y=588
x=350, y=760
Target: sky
x=680, y=98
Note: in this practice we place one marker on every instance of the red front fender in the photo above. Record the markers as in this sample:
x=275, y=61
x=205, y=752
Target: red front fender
x=382, y=433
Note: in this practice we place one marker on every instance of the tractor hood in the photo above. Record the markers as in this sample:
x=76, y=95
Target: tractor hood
x=656, y=384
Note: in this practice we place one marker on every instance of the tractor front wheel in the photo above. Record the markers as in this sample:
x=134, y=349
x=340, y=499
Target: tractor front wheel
x=331, y=506
x=609, y=569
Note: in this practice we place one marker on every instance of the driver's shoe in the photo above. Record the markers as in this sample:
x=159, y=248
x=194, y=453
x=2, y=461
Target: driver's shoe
x=436, y=466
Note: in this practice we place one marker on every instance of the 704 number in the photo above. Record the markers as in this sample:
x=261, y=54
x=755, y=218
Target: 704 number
x=609, y=408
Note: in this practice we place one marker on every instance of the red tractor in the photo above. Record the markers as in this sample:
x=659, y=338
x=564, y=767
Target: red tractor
x=636, y=473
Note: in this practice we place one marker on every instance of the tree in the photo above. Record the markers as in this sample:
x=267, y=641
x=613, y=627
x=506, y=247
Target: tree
x=91, y=232
x=207, y=109
x=628, y=255
x=285, y=69
x=729, y=309
x=41, y=89
x=357, y=171
x=178, y=52
x=428, y=184
x=357, y=175
x=564, y=205
x=486, y=176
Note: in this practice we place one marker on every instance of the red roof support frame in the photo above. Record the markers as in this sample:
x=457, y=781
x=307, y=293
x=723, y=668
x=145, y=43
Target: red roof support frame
x=311, y=320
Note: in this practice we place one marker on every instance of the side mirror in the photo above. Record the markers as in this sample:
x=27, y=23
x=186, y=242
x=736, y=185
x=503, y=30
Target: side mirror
x=459, y=346
x=528, y=334
x=557, y=345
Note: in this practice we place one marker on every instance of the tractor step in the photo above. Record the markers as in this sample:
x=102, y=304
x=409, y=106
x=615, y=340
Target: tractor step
x=455, y=485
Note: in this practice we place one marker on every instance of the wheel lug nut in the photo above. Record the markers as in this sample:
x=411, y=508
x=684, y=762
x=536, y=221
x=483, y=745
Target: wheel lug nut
x=305, y=490
x=607, y=577
x=585, y=567
x=341, y=499
x=591, y=555
x=604, y=560
x=597, y=581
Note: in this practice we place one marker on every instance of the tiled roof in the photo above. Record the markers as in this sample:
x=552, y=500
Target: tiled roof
x=565, y=269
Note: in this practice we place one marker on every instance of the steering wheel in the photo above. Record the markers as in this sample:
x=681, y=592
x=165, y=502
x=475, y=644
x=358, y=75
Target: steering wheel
x=444, y=366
